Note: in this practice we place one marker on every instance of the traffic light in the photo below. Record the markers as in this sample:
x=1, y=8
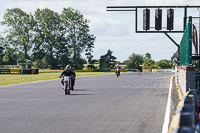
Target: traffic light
x=170, y=19
x=146, y=19
x=158, y=19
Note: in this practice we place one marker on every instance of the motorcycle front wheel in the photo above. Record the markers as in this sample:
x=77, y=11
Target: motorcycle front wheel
x=66, y=91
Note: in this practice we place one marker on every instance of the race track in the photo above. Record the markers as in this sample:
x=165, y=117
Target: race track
x=132, y=103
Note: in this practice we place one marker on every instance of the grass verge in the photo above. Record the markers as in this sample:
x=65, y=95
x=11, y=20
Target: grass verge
x=15, y=79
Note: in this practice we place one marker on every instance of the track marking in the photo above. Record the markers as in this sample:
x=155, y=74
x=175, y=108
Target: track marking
x=167, y=112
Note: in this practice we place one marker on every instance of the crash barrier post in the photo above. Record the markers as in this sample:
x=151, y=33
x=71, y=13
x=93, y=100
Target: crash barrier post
x=186, y=114
x=22, y=71
x=15, y=71
x=4, y=71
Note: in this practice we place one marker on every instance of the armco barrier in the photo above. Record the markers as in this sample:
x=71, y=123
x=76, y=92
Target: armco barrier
x=101, y=70
x=185, y=115
x=154, y=70
x=133, y=70
x=84, y=70
x=35, y=71
x=28, y=71
x=121, y=70
x=4, y=71
x=15, y=71
x=161, y=70
x=19, y=71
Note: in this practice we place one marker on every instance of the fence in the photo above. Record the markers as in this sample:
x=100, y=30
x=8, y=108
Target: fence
x=186, y=117
x=14, y=71
x=186, y=45
x=18, y=71
x=4, y=71
x=161, y=70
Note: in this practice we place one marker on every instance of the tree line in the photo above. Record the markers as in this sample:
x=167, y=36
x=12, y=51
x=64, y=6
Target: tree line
x=53, y=40
x=134, y=61
x=47, y=38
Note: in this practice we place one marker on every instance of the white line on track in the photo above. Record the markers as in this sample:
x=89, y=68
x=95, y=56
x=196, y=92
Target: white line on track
x=167, y=112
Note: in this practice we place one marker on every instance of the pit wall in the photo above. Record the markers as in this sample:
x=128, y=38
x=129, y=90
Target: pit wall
x=185, y=79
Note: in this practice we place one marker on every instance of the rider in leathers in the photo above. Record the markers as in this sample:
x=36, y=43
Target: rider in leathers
x=68, y=72
x=117, y=66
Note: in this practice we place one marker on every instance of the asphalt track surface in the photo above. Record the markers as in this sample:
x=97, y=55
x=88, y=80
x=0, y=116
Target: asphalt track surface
x=132, y=103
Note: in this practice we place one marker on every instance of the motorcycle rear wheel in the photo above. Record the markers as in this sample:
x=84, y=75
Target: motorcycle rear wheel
x=66, y=90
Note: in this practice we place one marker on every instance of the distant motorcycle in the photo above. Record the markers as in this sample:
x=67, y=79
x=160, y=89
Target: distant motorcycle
x=117, y=71
x=67, y=84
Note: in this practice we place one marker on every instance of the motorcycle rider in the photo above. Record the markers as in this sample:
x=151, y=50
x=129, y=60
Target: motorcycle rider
x=117, y=66
x=73, y=77
x=68, y=72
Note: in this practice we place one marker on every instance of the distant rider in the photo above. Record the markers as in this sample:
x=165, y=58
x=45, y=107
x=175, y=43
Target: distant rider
x=117, y=66
x=68, y=72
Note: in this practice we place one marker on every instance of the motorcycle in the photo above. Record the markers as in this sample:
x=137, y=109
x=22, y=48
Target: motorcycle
x=67, y=84
x=117, y=71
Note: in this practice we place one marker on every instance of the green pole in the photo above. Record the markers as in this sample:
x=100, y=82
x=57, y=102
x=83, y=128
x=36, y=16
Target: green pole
x=185, y=17
x=190, y=40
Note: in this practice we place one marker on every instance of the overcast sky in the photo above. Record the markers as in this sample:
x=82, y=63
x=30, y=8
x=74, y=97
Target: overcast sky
x=116, y=30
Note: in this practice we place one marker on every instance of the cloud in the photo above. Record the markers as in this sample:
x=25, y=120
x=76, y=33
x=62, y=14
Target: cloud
x=108, y=27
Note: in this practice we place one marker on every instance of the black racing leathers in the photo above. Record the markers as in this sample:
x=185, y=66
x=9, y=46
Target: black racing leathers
x=69, y=73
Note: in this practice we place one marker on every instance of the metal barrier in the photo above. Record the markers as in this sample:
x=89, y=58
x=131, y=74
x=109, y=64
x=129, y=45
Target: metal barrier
x=121, y=70
x=161, y=70
x=4, y=71
x=18, y=71
x=186, y=114
x=15, y=71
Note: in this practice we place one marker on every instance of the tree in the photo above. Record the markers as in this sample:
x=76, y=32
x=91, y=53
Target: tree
x=107, y=61
x=10, y=56
x=134, y=61
x=49, y=37
x=55, y=39
x=164, y=64
x=149, y=64
x=2, y=50
x=89, y=56
x=19, y=33
x=77, y=33
x=1, y=54
x=147, y=57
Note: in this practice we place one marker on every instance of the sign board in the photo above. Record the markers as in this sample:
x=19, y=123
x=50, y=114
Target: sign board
x=195, y=39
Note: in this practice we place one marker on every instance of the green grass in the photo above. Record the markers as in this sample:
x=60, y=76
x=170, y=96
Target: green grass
x=9, y=79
